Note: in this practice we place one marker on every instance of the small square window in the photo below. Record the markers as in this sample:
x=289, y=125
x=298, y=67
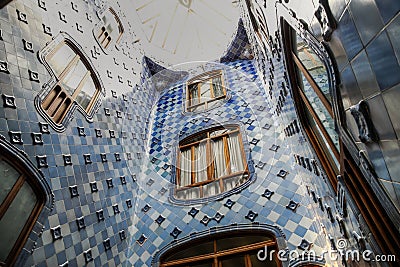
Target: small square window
x=205, y=91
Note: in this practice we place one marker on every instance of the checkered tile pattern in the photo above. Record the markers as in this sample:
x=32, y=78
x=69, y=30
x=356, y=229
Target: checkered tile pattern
x=261, y=132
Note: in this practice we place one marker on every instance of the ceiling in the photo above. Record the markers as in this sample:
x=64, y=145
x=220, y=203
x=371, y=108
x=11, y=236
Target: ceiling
x=178, y=31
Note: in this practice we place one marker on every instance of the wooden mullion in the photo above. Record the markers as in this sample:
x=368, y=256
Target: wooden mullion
x=192, y=166
x=93, y=100
x=64, y=111
x=68, y=67
x=190, y=144
x=210, y=162
x=321, y=126
x=374, y=210
x=80, y=85
x=227, y=155
x=58, y=46
x=224, y=134
x=326, y=163
x=228, y=252
x=11, y=195
x=313, y=84
x=178, y=173
x=242, y=151
x=219, y=178
x=51, y=108
x=212, y=88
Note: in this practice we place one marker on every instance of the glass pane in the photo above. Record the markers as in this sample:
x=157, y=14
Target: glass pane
x=8, y=176
x=86, y=94
x=192, y=250
x=321, y=111
x=185, y=167
x=193, y=94
x=197, y=137
x=61, y=58
x=270, y=261
x=189, y=193
x=218, y=153
x=321, y=138
x=200, y=162
x=233, y=242
x=234, y=260
x=235, y=153
x=15, y=218
x=205, y=91
x=314, y=65
x=211, y=189
x=74, y=77
x=217, y=86
x=232, y=182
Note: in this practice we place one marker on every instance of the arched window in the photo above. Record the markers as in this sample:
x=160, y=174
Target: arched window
x=210, y=163
x=109, y=30
x=75, y=82
x=204, y=91
x=237, y=248
x=21, y=200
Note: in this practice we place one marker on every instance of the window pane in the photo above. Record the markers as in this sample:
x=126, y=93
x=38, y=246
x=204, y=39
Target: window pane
x=194, y=250
x=189, y=193
x=238, y=241
x=219, y=157
x=235, y=153
x=15, y=218
x=200, y=158
x=314, y=65
x=232, y=182
x=322, y=112
x=193, y=94
x=234, y=260
x=211, y=189
x=205, y=91
x=8, y=176
x=86, y=94
x=217, y=86
x=324, y=143
x=74, y=77
x=185, y=167
x=61, y=58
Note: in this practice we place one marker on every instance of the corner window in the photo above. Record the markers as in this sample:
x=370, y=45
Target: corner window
x=20, y=205
x=210, y=163
x=74, y=82
x=233, y=249
x=313, y=97
x=204, y=91
x=109, y=30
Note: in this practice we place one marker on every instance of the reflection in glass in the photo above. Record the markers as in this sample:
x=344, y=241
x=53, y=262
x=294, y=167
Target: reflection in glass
x=60, y=59
x=8, y=177
x=75, y=75
x=315, y=67
x=87, y=93
x=13, y=221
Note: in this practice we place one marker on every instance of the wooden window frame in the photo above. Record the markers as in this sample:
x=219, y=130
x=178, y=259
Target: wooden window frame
x=217, y=254
x=303, y=105
x=199, y=80
x=210, y=163
x=53, y=103
x=28, y=226
x=102, y=36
